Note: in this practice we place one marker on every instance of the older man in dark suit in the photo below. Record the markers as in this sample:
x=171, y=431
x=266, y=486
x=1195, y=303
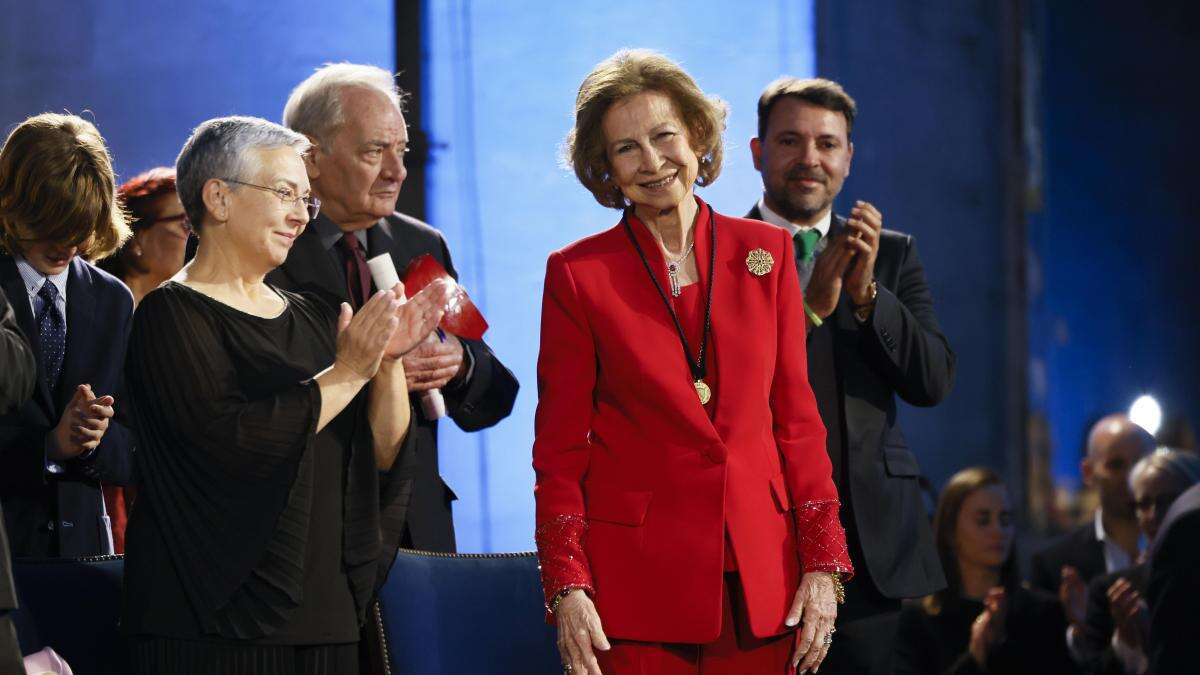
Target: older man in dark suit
x=873, y=336
x=353, y=116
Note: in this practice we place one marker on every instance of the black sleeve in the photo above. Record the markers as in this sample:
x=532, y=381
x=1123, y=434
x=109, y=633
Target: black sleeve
x=913, y=654
x=18, y=369
x=1171, y=593
x=488, y=395
x=913, y=354
x=216, y=466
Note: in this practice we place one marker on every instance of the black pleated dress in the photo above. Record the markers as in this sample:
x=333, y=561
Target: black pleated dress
x=256, y=544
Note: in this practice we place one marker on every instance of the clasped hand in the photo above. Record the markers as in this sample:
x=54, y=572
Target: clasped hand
x=847, y=263
x=82, y=425
x=387, y=326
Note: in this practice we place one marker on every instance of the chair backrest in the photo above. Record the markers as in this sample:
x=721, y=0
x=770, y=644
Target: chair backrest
x=447, y=614
x=72, y=605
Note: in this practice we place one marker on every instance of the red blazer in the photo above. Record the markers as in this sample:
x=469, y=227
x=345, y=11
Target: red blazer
x=624, y=448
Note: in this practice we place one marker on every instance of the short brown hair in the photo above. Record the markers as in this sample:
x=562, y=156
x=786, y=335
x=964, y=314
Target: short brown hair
x=57, y=182
x=818, y=91
x=630, y=72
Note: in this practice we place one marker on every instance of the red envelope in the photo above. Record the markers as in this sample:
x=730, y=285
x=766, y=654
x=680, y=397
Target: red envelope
x=462, y=316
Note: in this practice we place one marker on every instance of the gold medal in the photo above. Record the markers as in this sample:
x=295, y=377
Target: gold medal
x=759, y=262
x=703, y=391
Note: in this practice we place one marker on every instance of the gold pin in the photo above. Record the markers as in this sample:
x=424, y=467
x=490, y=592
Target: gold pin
x=759, y=262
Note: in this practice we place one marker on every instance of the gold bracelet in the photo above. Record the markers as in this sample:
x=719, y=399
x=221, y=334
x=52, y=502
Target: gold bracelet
x=839, y=589
x=558, y=597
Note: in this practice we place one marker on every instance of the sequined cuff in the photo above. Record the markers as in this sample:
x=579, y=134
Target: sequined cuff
x=822, y=539
x=560, y=555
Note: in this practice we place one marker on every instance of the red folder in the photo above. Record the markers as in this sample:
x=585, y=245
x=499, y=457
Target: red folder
x=462, y=316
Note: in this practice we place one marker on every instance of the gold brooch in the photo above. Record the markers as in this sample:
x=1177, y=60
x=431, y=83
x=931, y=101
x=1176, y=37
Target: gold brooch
x=759, y=262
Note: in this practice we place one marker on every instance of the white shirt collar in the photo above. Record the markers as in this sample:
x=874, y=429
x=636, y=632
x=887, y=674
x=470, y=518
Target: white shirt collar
x=1115, y=557
x=34, y=279
x=773, y=218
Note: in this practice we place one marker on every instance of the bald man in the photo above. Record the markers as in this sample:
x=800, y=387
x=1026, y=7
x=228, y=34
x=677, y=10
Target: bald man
x=1110, y=541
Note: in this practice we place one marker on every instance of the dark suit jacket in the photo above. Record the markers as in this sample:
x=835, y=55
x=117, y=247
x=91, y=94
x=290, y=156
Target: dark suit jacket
x=900, y=352
x=1174, y=587
x=1078, y=548
x=18, y=369
x=477, y=404
x=1095, y=643
x=60, y=515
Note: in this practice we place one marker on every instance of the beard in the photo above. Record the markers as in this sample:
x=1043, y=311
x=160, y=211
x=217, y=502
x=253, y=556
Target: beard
x=798, y=205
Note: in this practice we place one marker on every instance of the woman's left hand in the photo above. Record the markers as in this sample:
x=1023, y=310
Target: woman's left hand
x=418, y=317
x=816, y=604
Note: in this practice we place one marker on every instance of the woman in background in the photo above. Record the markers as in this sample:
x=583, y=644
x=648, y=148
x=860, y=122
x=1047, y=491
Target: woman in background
x=161, y=229
x=984, y=621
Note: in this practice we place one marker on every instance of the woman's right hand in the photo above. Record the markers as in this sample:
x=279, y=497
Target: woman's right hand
x=364, y=335
x=578, y=632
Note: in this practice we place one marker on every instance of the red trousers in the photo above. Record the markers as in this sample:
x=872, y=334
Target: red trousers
x=735, y=652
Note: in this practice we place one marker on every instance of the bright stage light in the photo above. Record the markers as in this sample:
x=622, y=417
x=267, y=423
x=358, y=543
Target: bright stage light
x=1146, y=413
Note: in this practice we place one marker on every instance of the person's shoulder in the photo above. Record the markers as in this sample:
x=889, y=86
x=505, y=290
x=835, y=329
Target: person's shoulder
x=1069, y=542
x=749, y=234
x=412, y=226
x=596, y=244
x=104, y=283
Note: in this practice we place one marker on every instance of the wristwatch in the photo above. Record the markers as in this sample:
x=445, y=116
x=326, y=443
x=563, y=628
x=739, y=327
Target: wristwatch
x=862, y=313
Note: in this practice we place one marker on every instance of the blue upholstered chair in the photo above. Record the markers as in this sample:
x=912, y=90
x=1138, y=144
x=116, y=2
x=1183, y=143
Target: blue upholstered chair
x=452, y=614
x=72, y=606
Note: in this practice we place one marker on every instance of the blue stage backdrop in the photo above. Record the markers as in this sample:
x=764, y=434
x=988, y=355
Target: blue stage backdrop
x=147, y=72
x=501, y=83
x=1113, y=312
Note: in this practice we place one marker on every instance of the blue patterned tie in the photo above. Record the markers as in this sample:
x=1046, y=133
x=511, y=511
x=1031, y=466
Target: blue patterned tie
x=52, y=333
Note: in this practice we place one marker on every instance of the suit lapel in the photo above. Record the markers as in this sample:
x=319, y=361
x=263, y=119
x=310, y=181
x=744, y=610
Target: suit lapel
x=309, y=265
x=81, y=305
x=18, y=297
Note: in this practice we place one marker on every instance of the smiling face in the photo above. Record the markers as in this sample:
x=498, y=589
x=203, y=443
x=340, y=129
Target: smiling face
x=983, y=534
x=359, y=175
x=649, y=154
x=804, y=159
x=260, y=227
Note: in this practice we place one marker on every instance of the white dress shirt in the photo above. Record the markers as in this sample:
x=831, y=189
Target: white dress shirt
x=773, y=218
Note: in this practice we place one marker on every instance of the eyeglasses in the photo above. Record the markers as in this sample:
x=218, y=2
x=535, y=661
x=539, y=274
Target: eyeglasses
x=182, y=219
x=289, y=198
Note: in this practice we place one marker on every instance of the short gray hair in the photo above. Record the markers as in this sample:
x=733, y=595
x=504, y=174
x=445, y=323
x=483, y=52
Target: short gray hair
x=218, y=149
x=314, y=107
x=1181, y=465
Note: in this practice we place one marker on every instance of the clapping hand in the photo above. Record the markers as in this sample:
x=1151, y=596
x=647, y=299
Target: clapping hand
x=1072, y=593
x=82, y=424
x=988, y=629
x=1130, y=614
x=418, y=316
x=864, y=225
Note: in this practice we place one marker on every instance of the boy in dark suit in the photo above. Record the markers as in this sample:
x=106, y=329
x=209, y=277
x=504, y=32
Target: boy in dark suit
x=58, y=206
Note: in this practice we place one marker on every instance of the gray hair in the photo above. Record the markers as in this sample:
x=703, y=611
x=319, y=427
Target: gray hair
x=218, y=149
x=1180, y=465
x=314, y=107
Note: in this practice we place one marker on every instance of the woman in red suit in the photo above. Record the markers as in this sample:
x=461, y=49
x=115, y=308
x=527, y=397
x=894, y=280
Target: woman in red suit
x=685, y=507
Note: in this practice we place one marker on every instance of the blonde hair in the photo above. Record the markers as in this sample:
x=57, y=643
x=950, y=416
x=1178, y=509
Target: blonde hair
x=57, y=184
x=624, y=74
